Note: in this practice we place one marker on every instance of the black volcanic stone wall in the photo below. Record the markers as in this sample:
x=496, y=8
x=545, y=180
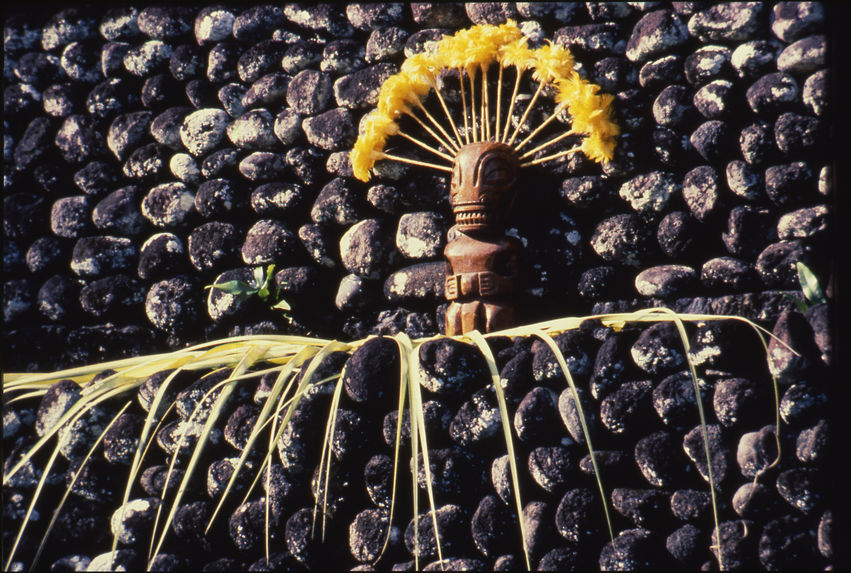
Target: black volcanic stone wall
x=150, y=151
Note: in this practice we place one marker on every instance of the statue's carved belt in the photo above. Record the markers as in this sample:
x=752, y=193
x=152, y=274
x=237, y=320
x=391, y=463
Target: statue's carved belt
x=486, y=283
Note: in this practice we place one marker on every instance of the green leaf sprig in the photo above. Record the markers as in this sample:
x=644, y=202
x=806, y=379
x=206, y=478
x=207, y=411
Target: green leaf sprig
x=260, y=286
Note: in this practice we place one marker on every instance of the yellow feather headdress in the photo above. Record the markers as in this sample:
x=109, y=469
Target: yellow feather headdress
x=475, y=49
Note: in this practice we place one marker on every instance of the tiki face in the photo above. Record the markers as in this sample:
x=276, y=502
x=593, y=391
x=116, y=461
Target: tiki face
x=482, y=185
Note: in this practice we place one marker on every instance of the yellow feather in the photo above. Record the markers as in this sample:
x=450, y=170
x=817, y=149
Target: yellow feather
x=552, y=62
x=516, y=53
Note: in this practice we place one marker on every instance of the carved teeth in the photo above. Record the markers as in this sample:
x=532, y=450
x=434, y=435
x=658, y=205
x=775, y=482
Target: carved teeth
x=473, y=218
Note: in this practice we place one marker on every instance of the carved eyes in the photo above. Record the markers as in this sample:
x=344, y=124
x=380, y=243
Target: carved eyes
x=495, y=171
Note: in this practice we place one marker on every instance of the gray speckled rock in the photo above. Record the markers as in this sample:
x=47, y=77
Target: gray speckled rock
x=173, y=305
x=804, y=56
x=287, y=126
x=419, y=282
x=359, y=90
x=332, y=130
x=656, y=33
x=99, y=255
x=202, y=130
x=795, y=133
x=745, y=181
x=421, y=235
x=755, y=58
x=129, y=521
x=803, y=223
x=263, y=166
x=309, y=92
x=728, y=273
x=268, y=241
x=713, y=100
x=727, y=22
x=144, y=59
x=624, y=239
x=168, y=205
x=665, y=281
x=706, y=64
x=336, y=203
x=772, y=93
x=213, y=24
x=184, y=167
x=649, y=193
x=815, y=94
x=385, y=43
x=673, y=106
x=213, y=245
x=253, y=130
x=78, y=140
x=793, y=20
x=69, y=216
x=366, y=248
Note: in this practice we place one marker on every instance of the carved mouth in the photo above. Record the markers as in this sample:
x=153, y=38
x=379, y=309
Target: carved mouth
x=475, y=218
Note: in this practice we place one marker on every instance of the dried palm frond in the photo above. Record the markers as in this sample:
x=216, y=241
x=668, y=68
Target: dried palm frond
x=251, y=357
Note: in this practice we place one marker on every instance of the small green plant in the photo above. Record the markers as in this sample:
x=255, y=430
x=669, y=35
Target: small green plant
x=810, y=287
x=260, y=285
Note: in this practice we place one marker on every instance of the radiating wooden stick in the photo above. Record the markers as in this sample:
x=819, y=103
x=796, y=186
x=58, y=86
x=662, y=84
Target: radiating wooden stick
x=513, y=100
x=464, y=103
x=486, y=124
x=447, y=143
x=415, y=162
x=526, y=113
x=538, y=129
x=426, y=146
x=473, y=107
x=448, y=116
x=549, y=157
x=498, y=100
x=547, y=144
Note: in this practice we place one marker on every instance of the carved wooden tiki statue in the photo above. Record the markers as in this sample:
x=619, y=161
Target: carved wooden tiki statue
x=483, y=265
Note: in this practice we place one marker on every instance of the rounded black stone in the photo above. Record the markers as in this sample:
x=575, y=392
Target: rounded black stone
x=624, y=409
x=684, y=544
x=755, y=501
x=213, y=245
x=707, y=64
x=623, y=239
x=772, y=94
x=112, y=295
x=477, y=419
x=749, y=230
x=551, y=467
x=173, y=305
x=491, y=526
x=701, y=191
x=536, y=415
x=631, y=550
x=119, y=212
x=712, y=140
x=787, y=543
x=652, y=454
x=453, y=531
x=268, y=241
x=46, y=255
x=677, y=234
x=776, y=264
x=372, y=371
x=812, y=444
x=673, y=106
x=162, y=255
